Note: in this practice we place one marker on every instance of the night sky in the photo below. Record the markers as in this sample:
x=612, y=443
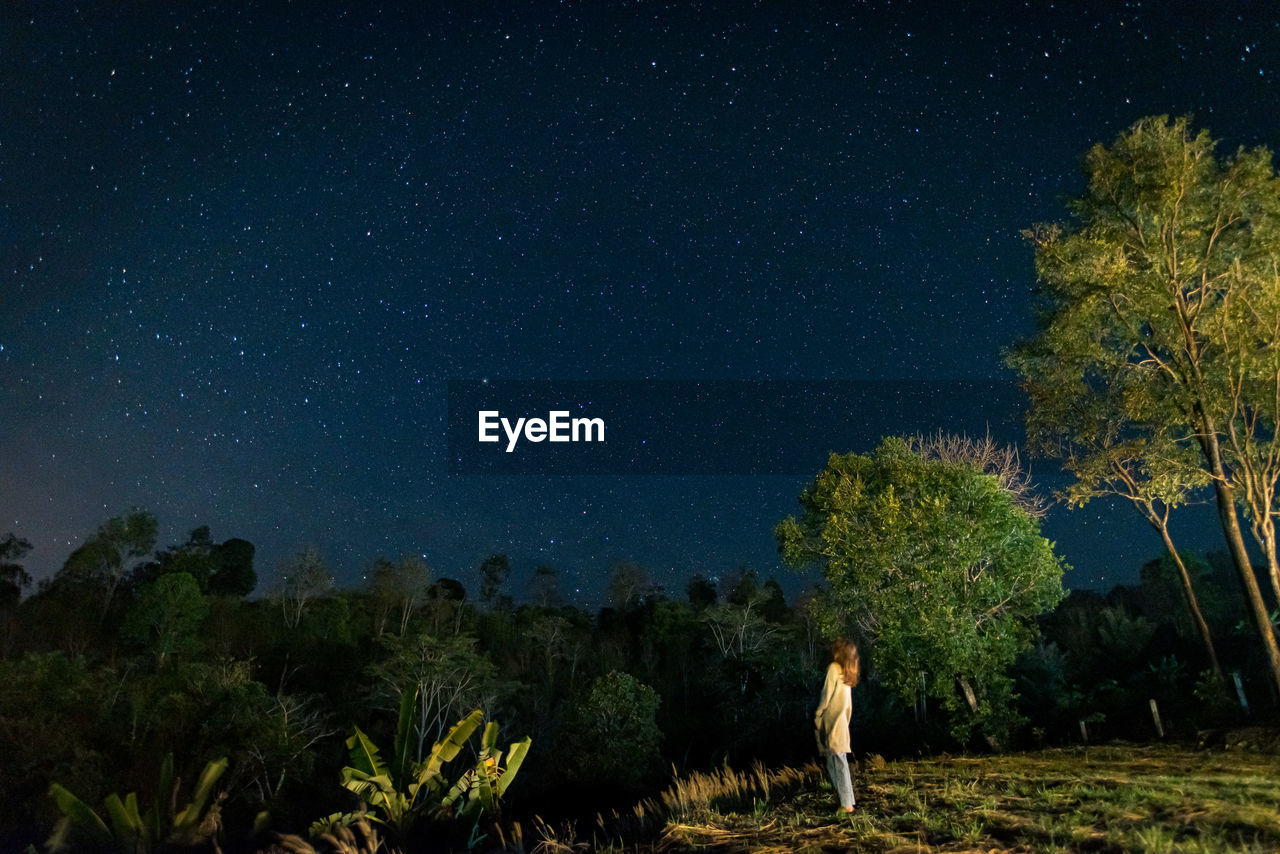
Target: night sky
x=244, y=247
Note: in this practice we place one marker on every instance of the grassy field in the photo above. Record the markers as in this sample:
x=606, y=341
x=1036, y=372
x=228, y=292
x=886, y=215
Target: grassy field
x=1107, y=798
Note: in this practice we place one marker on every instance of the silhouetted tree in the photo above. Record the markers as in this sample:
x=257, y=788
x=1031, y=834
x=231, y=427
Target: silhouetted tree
x=233, y=573
x=13, y=577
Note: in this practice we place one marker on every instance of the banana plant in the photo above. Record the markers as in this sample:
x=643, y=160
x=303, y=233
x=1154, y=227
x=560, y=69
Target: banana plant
x=479, y=788
x=128, y=828
x=402, y=790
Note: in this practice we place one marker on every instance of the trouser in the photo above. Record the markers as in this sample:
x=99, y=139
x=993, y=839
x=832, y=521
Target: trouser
x=841, y=781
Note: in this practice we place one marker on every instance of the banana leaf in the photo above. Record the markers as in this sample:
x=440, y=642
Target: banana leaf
x=127, y=825
x=402, y=749
x=515, y=758
x=79, y=813
x=188, y=821
x=447, y=750
x=365, y=756
x=161, y=813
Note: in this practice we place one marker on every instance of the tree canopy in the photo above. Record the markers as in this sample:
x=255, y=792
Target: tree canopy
x=1157, y=363
x=935, y=563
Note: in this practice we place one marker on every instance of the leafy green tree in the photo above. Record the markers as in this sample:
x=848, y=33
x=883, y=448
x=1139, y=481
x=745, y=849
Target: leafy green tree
x=938, y=565
x=167, y=615
x=108, y=557
x=1161, y=319
x=614, y=737
x=194, y=557
x=54, y=724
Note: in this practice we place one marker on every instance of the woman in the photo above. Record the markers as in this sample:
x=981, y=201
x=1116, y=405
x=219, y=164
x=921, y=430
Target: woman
x=831, y=721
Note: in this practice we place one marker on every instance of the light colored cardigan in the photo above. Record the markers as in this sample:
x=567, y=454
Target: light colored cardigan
x=835, y=709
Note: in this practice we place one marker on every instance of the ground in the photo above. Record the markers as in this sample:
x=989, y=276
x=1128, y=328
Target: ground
x=1114, y=798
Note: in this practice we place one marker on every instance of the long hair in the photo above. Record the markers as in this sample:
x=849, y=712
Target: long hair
x=845, y=654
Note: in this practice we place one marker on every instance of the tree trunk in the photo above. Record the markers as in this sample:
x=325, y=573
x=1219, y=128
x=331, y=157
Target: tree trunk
x=971, y=699
x=1235, y=542
x=1192, y=603
x=1269, y=550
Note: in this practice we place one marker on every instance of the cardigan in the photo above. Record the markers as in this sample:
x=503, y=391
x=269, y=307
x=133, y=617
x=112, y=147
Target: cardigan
x=835, y=709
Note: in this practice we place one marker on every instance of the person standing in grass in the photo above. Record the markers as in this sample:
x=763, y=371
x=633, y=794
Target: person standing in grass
x=831, y=721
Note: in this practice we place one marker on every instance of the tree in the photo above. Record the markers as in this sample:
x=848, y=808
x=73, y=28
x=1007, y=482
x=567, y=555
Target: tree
x=1161, y=316
x=740, y=628
x=108, y=557
x=13, y=578
x=233, y=573
x=614, y=737
x=494, y=572
x=701, y=592
x=167, y=615
x=397, y=590
x=194, y=557
x=446, y=676
x=544, y=587
x=936, y=563
x=1155, y=474
x=630, y=584
x=299, y=581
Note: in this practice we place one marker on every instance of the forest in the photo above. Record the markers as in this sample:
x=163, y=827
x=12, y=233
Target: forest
x=133, y=653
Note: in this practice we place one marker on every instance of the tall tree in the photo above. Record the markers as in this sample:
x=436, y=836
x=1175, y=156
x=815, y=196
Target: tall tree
x=300, y=580
x=935, y=561
x=233, y=573
x=166, y=616
x=1087, y=431
x=13, y=578
x=494, y=571
x=1162, y=299
x=397, y=590
x=108, y=557
x=629, y=585
x=544, y=587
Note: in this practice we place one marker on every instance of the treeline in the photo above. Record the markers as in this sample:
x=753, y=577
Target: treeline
x=130, y=653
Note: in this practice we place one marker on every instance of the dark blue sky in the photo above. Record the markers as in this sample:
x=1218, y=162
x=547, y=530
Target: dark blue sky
x=243, y=247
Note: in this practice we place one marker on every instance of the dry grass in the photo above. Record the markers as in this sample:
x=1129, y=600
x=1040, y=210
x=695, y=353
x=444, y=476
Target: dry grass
x=1102, y=799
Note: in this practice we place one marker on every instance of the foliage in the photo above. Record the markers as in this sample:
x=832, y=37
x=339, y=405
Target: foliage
x=397, y=590
x=613, y=739
x=13, y=578
x=401, y=790
x=300, y=580
x=494, y=572
x=127, y=828
x=934, y=562
x=1155, y=368
x=96, y=718
x=107, y=558
x=446, y=676
x=233, y=573
x=167, y=615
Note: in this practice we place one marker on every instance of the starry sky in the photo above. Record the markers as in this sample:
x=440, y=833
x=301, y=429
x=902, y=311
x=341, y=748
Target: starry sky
x=244, y=247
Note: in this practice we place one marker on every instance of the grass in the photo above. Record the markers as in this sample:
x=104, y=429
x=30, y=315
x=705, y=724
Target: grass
x=1097, y=799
